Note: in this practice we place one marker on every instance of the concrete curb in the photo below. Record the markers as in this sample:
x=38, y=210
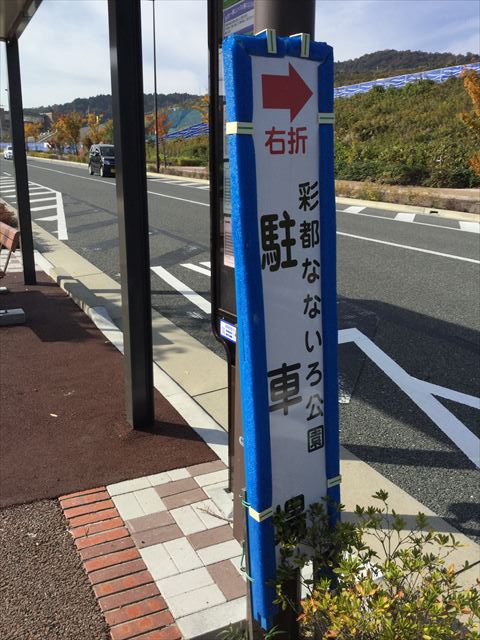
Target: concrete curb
x=429, y=211
x=387, y=206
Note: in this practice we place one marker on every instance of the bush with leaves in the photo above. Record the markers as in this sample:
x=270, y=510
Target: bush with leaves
x=375, y=580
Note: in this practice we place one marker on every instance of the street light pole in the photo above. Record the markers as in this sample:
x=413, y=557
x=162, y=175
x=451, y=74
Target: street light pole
x=157, y=156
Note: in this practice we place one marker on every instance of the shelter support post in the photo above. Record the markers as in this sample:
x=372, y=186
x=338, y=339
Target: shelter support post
x=129, y=133
x=20, y=161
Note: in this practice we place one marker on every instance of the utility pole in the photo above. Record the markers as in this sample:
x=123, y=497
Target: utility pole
x=285, y=16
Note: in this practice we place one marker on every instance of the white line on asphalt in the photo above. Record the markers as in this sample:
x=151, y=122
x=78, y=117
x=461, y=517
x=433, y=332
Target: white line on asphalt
x=164, y=195
x=421, y=395
x=46, y=219
x=473, y=227
x=6, y=173
x=450, y=394
x=194, y=267
x=43, y=199
x=405, y=217
x=62, y=223
x=388, y=218
x=8, y=190
x=354, y=209
x=44, y=207
x=207, y=264
x=43, y=193
x=182, y=288
x=408, y=247
x=420, y=392
x=112, y=184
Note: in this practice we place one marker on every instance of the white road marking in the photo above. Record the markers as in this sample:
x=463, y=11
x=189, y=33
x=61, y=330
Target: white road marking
x=112, y=184
x=194, y=267
x=389, y=219
x=182, y=288
x=44, y=207
x=450, y=394
x=62, y=222
x=405, y=217
x=354, y=209
x=420, y=393
x=43, y=199
x=408, y=247
x=46, y=219
x=207, y=264
x=473, y=227
x=8, y=190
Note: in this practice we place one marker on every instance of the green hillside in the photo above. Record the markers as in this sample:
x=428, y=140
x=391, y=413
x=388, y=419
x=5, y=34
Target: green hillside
x=387, y=63
x=409, y=136
x=102, y=104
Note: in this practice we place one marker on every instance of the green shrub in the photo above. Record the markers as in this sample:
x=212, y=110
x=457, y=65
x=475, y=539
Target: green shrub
x=409, y=136
x=373, y=580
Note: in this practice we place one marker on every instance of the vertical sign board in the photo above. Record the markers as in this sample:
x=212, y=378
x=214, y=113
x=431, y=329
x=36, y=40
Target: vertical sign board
x=279, y=94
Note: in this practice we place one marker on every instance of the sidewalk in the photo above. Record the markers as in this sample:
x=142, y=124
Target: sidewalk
x=156, y=541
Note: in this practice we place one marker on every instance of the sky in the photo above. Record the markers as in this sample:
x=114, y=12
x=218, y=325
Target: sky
x=64, y=52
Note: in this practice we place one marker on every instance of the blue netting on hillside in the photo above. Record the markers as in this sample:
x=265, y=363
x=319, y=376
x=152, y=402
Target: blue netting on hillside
x=437, y=75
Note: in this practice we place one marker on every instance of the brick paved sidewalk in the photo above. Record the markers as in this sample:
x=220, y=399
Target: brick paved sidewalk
x=160, y=554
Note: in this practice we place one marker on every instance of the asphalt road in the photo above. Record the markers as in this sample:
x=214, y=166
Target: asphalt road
x=410, y=287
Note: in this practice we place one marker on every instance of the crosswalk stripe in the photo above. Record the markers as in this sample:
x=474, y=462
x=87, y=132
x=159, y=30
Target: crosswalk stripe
x=45, y=207
x=207, y=264
x=43, y=199
x=182, y=288
x=473, y=227
x=405, y=217
x=354, y=209
x=194, y=267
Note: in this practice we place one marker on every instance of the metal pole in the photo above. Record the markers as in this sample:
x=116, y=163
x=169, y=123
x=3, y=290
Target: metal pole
x=285, y=16
x=20, y=161
x=129, y=133
x=157, y=156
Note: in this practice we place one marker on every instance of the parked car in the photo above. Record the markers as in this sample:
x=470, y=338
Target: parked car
x=101, y=159
x=8, y=152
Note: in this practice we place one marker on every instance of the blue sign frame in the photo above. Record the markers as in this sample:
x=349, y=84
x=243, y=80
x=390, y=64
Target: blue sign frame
x=237, y=52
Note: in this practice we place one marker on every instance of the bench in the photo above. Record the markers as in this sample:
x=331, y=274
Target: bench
x=10, y=240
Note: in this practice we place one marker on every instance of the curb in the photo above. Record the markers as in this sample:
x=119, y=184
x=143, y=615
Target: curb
x=429, y=211
x=387, y=206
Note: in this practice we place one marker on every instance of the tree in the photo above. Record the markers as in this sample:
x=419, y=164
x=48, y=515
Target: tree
x=107, y=132
x=95, y=129
x=162, y=129
x=471, y=82
x=32, y=130
x=68, y=127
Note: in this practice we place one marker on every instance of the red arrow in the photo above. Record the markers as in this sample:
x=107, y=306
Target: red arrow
x=285, y=92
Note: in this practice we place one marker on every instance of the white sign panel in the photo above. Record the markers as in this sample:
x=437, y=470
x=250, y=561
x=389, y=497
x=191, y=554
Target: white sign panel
x=285, y=133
